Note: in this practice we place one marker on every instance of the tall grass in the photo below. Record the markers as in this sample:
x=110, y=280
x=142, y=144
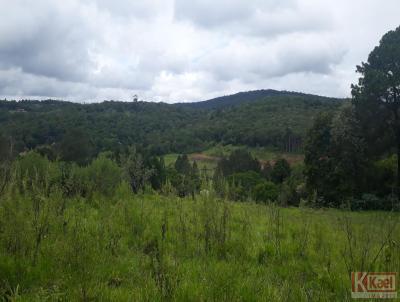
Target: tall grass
x=151, y=247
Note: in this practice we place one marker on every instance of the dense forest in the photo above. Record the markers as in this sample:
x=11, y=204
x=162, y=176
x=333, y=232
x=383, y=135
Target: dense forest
x=161, y=128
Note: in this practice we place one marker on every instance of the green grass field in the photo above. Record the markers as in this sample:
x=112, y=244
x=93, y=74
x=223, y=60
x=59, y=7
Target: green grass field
x=208, y=159
x=162, y=248
x=261, y=153
x=204, y=162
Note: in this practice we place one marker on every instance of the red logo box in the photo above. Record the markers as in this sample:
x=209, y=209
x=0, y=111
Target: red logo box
x=369, y=285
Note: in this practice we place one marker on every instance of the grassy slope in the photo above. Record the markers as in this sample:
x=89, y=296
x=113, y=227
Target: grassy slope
x=208, y=158
x=202, y=160
x=261, y=153
x=154, y=248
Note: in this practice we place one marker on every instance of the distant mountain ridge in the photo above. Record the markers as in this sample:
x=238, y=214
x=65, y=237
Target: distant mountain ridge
x=245, y=97
x=266, y=118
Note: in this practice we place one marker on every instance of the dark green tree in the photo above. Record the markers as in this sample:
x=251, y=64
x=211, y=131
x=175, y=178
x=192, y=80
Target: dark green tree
x=293, y=188
x=159, y=176
x=348, y=152
x=266, y=170
x=335, y=161
x=103, y=175
x=182, y=165
x=177, y=181
x=239, y=161
x=265, y=191
x=242, y=184
x=195, y=179
x=219, y=183
x=135, y=170
x=185, y=177
x=280, y=171
x=5, y=148
x=76, y=146
x=6, y=155
x=318, y=164
x=377, y=95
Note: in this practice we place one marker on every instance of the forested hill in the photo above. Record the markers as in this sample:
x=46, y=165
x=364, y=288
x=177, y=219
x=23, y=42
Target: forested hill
x=246, y=97
x=275, y=121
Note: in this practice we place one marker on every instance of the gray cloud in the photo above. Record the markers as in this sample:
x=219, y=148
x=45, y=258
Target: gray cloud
x=144, y=9
x=177, y=50
x=45, y=40
x=257, y=17
x=211, y=13
x=276, y=58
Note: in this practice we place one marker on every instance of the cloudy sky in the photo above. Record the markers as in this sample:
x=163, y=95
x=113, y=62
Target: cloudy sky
x=185, y=50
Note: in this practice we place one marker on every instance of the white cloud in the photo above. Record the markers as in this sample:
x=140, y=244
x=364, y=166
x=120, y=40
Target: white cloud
x=91, y=50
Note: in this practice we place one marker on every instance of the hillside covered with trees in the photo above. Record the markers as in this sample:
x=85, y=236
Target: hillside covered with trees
x=275, y=121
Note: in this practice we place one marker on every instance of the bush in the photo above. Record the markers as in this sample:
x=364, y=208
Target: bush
x=242, y=184
x=103, y=175
x=293, y=188
x=240, y=161
x=266, y=191
x=33, y=171
x=381, y=176
x=280, y=171
x=371, y=202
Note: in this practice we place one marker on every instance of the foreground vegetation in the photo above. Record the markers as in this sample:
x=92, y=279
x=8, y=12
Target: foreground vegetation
x=162, y=248
x=103, y=232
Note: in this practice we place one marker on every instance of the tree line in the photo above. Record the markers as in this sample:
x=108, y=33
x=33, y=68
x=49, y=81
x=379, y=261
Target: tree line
x=278, y=122
x=353, y=156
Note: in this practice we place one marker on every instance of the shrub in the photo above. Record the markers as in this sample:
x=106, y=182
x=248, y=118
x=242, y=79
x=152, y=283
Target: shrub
x=103, y=175
x=34, y=171
x=244, y=183
x=240, y=161
x=280, y=171
x=371, y=202
x=266, y=191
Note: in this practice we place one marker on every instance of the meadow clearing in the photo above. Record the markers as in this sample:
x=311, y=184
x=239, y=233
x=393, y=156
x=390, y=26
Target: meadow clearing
x=158, y=247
